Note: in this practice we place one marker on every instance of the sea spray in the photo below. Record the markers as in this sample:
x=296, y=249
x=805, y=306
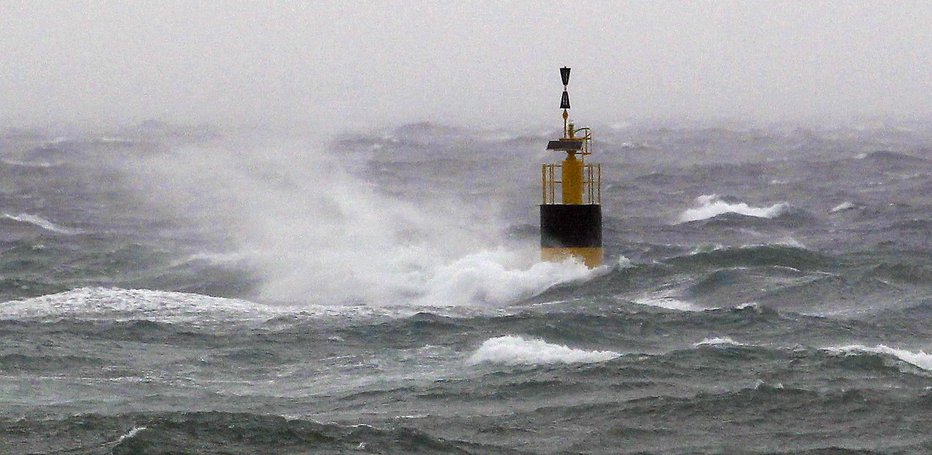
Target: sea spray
x=318, y=234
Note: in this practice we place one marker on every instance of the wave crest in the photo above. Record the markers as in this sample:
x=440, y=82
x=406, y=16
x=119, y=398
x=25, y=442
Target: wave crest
x=712, y=205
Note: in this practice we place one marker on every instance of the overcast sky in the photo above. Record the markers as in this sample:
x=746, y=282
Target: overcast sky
x=381, y=63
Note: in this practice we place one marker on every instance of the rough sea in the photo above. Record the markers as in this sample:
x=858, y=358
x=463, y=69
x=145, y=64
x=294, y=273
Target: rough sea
x=171, y=290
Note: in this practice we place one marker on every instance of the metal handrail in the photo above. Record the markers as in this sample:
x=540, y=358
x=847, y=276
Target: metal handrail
x=592, y=183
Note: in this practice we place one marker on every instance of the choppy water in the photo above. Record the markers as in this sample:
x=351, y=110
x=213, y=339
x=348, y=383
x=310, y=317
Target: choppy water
x=186, y=291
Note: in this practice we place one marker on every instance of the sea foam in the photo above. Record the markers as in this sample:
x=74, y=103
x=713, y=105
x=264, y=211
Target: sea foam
x=516, y=350
x=711, y=205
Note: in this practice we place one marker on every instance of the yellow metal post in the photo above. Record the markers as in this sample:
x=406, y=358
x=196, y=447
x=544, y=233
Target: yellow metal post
x=572, y=180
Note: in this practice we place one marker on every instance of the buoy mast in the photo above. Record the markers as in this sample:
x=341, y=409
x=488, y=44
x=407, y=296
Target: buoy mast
x=572, y=226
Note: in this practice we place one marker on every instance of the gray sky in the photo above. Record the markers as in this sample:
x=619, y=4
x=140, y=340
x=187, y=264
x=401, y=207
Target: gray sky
x=364, y=63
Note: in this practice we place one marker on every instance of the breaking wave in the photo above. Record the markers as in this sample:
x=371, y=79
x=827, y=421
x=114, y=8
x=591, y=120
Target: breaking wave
x=486, y=277
x=712, y=205
x=516, y=350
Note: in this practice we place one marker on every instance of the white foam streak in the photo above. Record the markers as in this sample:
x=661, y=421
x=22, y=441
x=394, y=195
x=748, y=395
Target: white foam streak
x=43, y=223
x=710, y=205
x=919, y=359
x=516, y=350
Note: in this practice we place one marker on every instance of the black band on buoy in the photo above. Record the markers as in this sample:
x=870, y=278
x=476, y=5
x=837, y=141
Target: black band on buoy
x=570, y=226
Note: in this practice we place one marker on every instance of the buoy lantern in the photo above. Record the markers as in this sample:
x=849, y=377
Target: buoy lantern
x=571, y=225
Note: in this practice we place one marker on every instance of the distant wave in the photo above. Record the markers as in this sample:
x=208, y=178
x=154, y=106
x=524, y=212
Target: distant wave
x=890, y=157
x=516, y=350
x=115, y=304
x=37, y=164
x=42, y=223
x=779, y=254
x=170, y=432
x=919, y=359
x=712, y=205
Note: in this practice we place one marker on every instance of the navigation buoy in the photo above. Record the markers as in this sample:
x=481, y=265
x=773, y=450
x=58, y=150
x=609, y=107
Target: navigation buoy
x=571, y=225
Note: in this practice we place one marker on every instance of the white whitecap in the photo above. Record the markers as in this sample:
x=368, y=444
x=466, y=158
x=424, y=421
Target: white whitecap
x=919, y=359
x=718, y=341
x=711, y=205
x=847, y=205
x=516, y=350
x=41, y=222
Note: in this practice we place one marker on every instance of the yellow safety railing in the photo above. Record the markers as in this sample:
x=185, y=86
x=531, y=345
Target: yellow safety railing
x=592, y=183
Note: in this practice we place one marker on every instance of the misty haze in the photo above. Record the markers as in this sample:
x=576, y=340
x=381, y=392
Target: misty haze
x=333, y=227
